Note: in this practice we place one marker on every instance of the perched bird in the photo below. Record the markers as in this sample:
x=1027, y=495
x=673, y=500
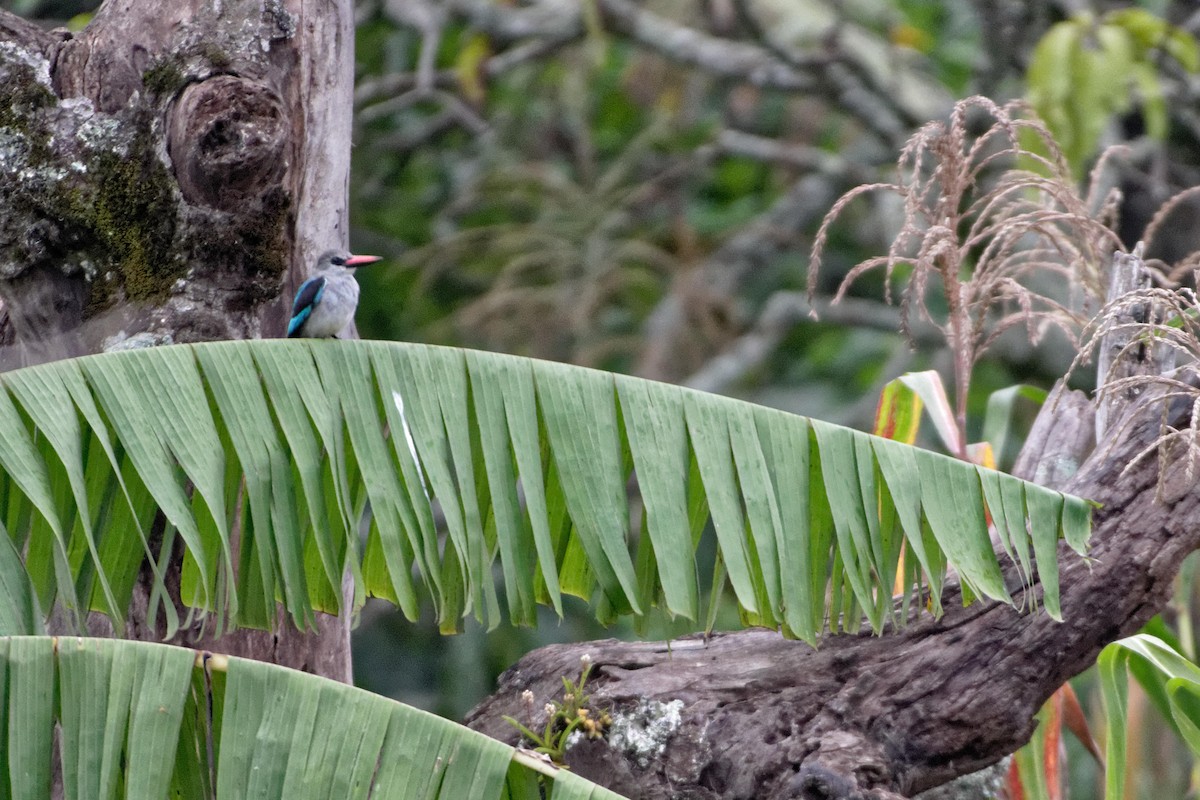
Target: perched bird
x=326, y=302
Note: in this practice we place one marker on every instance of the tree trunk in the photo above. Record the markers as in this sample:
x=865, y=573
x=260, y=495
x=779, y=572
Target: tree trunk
x=167, y=175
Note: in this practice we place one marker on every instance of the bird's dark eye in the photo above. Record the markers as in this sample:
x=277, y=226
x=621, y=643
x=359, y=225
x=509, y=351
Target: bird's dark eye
x=339, y=261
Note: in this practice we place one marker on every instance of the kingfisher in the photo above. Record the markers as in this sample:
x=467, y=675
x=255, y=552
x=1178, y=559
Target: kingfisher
x=326, y=302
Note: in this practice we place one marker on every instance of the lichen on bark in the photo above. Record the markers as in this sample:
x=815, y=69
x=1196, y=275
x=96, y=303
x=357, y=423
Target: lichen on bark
x=87, y=193
x=114, y=222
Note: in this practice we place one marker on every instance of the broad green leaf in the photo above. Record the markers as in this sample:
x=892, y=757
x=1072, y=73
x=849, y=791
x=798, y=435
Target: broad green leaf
x=120, y=714
x=765, y=525
x=1044, y=505
x=60, y=424
x=134, y=721
x=19, y=612
x=512, y=379
x=1114, y=689
x=998, y=418
x=898, y=415
x=944, y=488
x=898, y=466
x=518, y=550
x=447, y=369
x=413, y=503
x=1005, y=498
x=322, y=541
x=530, y=464
x=1084, y=70
x=928, y=386
x=1100, y=69
x=786, y=448
x=1150, y=32
x=29, y=685
x=658, y=440
x=1176, y=676
x=851, y=510
x=708, y=431
x=1184, y=48
x=25, y=467
x=581, y=421
x=1185, y=708
x=133, y=421
x=268, y=477
x=1049, y=76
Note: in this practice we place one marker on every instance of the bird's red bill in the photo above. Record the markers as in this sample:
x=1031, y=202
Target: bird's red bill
x=361, y=261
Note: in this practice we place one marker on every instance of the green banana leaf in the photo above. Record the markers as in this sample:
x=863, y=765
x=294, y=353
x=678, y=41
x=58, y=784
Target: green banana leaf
x=261, y=458
x=151, y=720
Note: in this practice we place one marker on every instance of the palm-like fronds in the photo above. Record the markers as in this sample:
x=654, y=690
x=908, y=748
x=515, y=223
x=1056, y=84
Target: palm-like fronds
x=150, y=720
x=284, y=443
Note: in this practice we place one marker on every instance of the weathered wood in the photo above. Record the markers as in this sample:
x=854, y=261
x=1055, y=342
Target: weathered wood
x=876, y=717
x=177, y=164
x=1059, y=439
x=1113, y=360
x=167, y=175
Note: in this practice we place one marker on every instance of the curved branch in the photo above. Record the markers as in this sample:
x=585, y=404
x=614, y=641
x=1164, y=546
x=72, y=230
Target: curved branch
x=727, y=58
x=871, y=716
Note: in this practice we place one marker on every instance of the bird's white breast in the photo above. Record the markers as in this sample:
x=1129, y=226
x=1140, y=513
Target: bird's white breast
x=336, y=309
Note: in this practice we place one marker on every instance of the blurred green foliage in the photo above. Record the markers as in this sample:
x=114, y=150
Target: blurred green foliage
x=1088, y=69
x=587, y=178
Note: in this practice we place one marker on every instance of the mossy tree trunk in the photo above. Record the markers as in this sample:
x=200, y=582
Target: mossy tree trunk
x=166, y=174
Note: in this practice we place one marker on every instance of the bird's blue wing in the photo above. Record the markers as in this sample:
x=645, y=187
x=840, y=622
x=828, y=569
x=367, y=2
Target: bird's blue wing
x=306, y=299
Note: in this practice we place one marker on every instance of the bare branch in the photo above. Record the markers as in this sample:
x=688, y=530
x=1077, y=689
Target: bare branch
x=723, y=57
x=670, y=331
x=762, y=148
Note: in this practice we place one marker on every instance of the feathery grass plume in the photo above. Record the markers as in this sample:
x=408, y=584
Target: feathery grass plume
x=983, y=213
x=1185, y=267
x=1156, y=327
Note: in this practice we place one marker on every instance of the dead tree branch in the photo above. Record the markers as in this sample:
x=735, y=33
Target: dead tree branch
x=880, y=717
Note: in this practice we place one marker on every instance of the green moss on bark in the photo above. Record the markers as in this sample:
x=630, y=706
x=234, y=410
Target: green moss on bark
x=88, y=194
x=22, y=96
x=135, y=212
x=105, y=203
x=164, y=77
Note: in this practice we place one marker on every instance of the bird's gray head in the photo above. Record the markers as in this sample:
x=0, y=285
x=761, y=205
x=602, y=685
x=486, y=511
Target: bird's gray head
x=340, y=258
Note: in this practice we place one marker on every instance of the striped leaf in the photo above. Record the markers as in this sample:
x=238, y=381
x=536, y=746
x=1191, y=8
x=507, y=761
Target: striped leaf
x=149, y=720
x=282, y=465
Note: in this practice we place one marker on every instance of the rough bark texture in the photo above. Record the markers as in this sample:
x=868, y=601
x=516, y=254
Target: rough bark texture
x=876, y=717
x=167, y=175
